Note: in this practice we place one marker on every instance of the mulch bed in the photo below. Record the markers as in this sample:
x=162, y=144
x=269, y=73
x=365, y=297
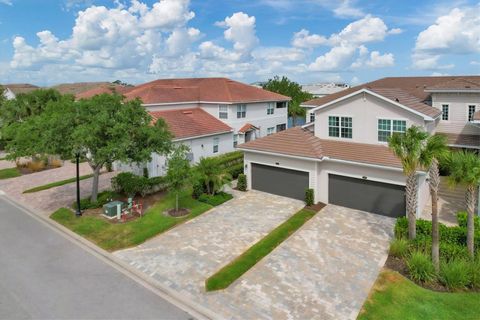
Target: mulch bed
x=24, y=170
x=316, y=207
x=181, y=212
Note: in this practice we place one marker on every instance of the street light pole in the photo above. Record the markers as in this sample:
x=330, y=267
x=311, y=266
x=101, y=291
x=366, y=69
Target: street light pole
x=78, y=213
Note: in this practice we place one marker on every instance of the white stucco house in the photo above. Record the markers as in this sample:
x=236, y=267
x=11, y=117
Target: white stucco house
x=343, y=154
x=210, y=115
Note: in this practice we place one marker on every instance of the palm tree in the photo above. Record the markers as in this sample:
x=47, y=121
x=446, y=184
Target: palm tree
x=435, y=150
x=409, y=148
x=212, y=175
x=465, y=169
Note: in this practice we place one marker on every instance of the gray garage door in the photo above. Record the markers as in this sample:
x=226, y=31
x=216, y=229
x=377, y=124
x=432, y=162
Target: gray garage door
x=279, y=181
x=381, y=198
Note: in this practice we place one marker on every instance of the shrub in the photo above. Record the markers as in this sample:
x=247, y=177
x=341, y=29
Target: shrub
x=198, y=189
x=129, y=184
x=309, y=198
x=474, y=269
x=455, y=274
x=420, y=267
x=462, y=220
x=235, y=171
x=401, y=228
x=56, y=163
x=215, y=200
x=230, y=159
x=452, y=251
x=399, y=248
x=242, y=182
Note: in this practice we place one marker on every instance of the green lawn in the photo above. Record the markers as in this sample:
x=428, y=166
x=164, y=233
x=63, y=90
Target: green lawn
x=9, y=173
x=56, y=184
x=118, y=236
x=235, y=269
x=395, y=297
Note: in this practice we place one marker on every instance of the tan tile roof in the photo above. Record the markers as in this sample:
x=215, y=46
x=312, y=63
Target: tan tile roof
x=408, y=100
x=469, y=140
x=476, y=116
x=201, y=89
x=187, y=123
x=103, y=88
x=414, y=86
x=247, y=127
x=303, y=143
x=457, y=84
x=17, y=88
x=77, y=87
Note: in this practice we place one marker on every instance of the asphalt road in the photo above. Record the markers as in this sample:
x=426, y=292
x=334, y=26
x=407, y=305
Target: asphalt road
x=46, y=276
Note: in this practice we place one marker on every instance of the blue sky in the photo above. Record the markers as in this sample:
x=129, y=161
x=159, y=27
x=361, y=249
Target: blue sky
x=48, y=42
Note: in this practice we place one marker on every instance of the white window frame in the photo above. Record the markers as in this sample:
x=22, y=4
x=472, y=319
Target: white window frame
x=340, y=127
x=270, y=131
x=468, y=111
x=241, y=111
x=443, y=112
x=270, y=108
x=391, y=127
x=223, y=110
x=235, y=140
x=216, y=143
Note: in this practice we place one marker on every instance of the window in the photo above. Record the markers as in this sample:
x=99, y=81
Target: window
x=241, y=111
x=270, y=131
x=471, y=111
x=270, y=108
x=235, y=140
x=312, y=117
x=340, y=127
x=387, y=127
x=281, y=127
x=190, y=157
x=216, y=141
x=223, y=112
x=445, y=112
x=282, y=104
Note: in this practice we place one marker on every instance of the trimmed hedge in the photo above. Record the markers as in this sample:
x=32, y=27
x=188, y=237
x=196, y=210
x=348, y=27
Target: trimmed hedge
x=215, y=200
x=235, y=171
x=230, y=159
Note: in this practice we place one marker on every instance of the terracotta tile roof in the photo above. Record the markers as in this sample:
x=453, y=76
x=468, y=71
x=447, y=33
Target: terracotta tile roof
x=77, y=87
x=201, y=89
x=187, y=123
x=103, y=88
x=247, y=127
x=303, y=143
x=476, y=116
x=457, y=84
x=17, y=88
x=414, y=86
x=470, y=140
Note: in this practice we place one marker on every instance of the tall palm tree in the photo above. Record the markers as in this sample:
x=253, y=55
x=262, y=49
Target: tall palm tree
x=435, y=149
x=409, y=148
x=465, y=169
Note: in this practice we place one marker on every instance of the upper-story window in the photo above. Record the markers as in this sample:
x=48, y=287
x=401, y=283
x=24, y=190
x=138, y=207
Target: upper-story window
x=241, y=111
x=216, y=142
x=282, y=104
x=387, y=127
x=340, y=127
x=471, y=111
x=445, y=112
x=270, y=131
x=312, y=117
x=281, y=127
x=223, y=112
x=270, y=108
x=235, y=140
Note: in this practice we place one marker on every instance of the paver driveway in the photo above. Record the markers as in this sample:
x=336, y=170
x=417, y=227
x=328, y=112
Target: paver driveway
x=324, y=271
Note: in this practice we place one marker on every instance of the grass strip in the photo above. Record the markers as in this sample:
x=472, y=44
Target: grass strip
x=9, y=173
x=235, y=269
x=56, y=184
x=395, y=297
x=110, y=236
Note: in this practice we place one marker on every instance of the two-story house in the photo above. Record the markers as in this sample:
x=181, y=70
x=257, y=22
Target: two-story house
x=209, y=115
x=343, y=154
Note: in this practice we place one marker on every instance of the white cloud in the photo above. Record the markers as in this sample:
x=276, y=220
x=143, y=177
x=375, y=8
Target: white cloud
x=166, y=14
x=7, y=2
x=303, y=39
x=457, y=32
x=334, y=60
x=378, y=60
x=346, y=10
x=241, y=31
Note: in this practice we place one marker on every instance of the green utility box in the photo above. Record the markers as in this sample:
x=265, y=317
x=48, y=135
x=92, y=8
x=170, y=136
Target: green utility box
x=113, y=209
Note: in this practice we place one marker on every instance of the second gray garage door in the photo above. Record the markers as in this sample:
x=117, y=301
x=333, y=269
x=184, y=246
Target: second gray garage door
x=381, y=198
x=279, y=181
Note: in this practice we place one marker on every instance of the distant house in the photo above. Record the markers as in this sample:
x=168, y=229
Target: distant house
x=343, y=154
x=13, y=89
x=320, y=90
x=195, y=108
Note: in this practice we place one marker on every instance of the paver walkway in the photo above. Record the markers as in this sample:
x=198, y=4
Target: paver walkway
x=47, y=201
x=324, y=271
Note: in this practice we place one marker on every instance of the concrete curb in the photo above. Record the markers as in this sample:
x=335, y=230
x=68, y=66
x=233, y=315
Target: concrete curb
x=191, y=307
